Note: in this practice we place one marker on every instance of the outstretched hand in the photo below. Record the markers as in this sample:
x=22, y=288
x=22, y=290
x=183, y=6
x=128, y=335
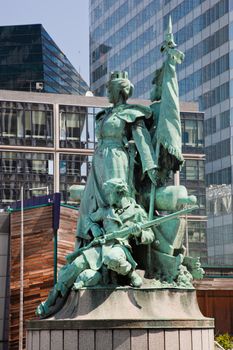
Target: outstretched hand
x=147, y=236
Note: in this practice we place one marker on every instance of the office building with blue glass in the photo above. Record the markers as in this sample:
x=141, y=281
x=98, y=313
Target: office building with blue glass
x=31, y=61
x=127, y=35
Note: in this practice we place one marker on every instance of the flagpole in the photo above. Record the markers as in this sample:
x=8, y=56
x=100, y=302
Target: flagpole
x=21, y=274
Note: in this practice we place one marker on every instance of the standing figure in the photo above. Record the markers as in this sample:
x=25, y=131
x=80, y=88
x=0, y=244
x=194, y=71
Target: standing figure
x=115, y=128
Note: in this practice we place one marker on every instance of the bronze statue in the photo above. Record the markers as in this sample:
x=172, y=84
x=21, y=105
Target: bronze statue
x=138, y=147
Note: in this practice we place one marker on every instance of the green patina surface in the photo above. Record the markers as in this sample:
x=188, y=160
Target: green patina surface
x=138, y=149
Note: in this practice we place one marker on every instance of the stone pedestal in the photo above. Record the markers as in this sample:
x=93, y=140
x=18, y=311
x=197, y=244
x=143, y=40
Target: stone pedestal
x=125, y=319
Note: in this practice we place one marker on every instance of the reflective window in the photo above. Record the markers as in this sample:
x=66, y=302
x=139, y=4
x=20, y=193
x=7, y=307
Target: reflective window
x=111, y=21
x=196, y=231
x=210, y=126
x=197, y=239
x=77, y=127
x=224, y=119
x=219, y=177
x=192, y=176
x=192, y=132
x=28, y=124
x=74, y=170
x=180, y=11
x=218, y=150
x=219, y=199
x=214, y=96
x=192, y=170
x=29, y=170
x=206, y=46
x=201, y=22
x=204, y=74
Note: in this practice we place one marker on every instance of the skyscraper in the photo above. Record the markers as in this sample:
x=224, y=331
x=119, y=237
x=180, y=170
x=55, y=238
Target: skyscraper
x=31, y=61
x=128, y=35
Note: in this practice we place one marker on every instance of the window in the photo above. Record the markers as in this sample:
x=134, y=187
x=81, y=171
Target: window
x=225, y=119
x=77, y=127
x=215, y=96
x=9, y=121
x=26, y=124
x=74, y=169
x=191, y=170
x=204, y=47
x=23, y=169
x=190, y=132
x=197, y=231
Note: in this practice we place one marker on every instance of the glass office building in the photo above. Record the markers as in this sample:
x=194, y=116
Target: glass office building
x=31, y=61
x=127, y=35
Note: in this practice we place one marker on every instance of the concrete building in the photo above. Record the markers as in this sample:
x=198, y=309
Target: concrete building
x=31, y=61
x=127, y=35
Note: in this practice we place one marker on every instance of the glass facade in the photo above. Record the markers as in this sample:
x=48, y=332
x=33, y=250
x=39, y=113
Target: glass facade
x=220, y=235
x=192, y=132
x=27, y=169
x=26, y=124
x=203, y=31
x=77, y=127
x=130, y=37
x=33, y=155
x=192, y=176
x=74, y=169
x=28, y=55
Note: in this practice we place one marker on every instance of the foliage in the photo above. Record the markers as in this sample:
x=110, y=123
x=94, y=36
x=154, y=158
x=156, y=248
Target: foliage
x=225, y=340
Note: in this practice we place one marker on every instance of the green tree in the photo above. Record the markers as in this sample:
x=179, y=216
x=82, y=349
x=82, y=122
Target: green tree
x=225, y=340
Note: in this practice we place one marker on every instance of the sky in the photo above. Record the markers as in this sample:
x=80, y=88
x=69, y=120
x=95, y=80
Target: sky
x=66, y=21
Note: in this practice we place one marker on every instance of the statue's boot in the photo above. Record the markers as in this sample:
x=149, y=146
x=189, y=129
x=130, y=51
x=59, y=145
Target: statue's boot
x=43, y=308
x=57, y=296
x=135, y=279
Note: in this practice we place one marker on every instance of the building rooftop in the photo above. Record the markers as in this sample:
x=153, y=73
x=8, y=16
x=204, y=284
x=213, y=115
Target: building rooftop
x=78, y=100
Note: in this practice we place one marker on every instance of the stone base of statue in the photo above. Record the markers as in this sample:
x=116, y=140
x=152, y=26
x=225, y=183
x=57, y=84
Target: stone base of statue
x=125, y=318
